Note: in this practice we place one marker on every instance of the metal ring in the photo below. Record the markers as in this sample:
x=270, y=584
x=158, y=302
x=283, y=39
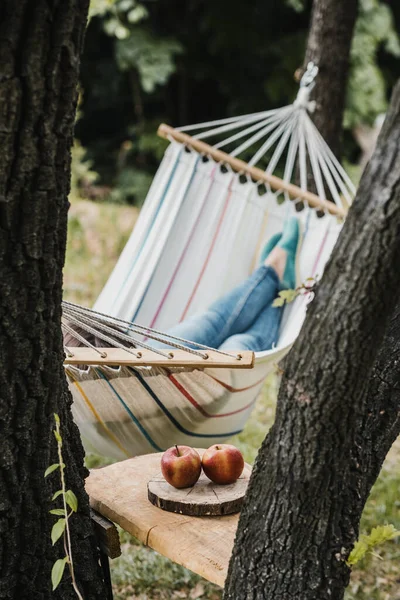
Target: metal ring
x=170, y=355
x=239, y=357
x=103, y=354
x=205, y=356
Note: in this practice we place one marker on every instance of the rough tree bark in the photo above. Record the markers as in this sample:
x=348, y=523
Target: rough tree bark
x=317, y=465
x=40, y=46
x=328, y=46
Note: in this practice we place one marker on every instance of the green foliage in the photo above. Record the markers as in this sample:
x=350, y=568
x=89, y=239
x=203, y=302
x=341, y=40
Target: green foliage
x=60, y=527
x=285, y=297
x=119, y=14
x=367, y=90
x=379, y=535
x=152, y=57
x=71, y=500
x=132, y=187
x=51, y=469
x=82, y=173
x=98, y=8
x=58, y=571
x=297, y=5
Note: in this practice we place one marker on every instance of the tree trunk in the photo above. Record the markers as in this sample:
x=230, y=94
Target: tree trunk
x=328, y=46
x=316, y=467
x=40, y=46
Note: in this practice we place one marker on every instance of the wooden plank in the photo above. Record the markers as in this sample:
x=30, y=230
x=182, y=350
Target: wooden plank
x=106, y=535
x=202, y=544
x=176, y=358
x=257, y=174
x=203, y=499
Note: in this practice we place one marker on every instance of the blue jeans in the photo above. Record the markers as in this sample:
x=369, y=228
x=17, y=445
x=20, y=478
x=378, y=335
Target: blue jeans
x=243, y=319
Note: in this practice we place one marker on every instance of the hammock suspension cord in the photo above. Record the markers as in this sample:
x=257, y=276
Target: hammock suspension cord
x=292, y=131
x=98, y=324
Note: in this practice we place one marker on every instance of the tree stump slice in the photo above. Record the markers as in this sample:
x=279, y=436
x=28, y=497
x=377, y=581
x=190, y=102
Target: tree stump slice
x=204, y=499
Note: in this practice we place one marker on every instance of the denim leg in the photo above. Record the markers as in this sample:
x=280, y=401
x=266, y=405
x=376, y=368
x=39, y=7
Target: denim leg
x=204, y=329
x=239, y=308
x=232, y=314
x=260, y=336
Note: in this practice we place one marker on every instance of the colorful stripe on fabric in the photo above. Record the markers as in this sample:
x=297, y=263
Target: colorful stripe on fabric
x=172, y=418
x=155, y=268
x=130, y=413
x=210, y=251
x=161, y=202
x=314, y=269
x=257, y=251
x=235, y=390
x=96, y=415
x=198, y=406
x=184, y=252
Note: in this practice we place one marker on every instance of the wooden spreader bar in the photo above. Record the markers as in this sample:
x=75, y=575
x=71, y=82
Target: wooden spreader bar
x=177, y=358
x=240, y=166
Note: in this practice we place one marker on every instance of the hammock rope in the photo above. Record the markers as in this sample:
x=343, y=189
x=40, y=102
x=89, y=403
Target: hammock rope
x=98, y=324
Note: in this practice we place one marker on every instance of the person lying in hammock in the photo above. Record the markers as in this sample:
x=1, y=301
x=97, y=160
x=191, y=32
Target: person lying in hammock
x=244, y=318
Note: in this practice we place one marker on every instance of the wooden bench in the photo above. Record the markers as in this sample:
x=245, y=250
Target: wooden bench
x=201, y=544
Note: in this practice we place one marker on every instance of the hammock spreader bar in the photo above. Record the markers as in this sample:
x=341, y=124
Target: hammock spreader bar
x=147, y=358
x=258, y=175
x=122, y=349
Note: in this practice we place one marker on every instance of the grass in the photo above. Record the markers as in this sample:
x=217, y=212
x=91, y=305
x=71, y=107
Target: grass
x=97, y=234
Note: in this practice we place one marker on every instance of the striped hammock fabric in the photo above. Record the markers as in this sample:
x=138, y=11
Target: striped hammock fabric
x=198, y=235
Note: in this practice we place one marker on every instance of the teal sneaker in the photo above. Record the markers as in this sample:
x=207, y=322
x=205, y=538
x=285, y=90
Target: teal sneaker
x=269, y=246
x=290, y=241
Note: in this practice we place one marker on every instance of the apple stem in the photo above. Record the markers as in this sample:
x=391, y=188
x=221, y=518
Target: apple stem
x=177, y=450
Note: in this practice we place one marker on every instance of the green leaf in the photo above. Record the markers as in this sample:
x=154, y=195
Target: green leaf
x=57, y=418
x=51, y=469
x=58, y=571
x=285, y=296
x=278, y=302
x=153, y=57
x=57, y=511
x=71, y=500
x=381, y=534
x=366, y=543
x=58, y=530
x=297, y=5
x=57, y=494
x=138, y=14
x=57, y=436
x=359, y=551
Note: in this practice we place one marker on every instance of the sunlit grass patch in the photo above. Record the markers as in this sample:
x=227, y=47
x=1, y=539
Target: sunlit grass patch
x=97, y=234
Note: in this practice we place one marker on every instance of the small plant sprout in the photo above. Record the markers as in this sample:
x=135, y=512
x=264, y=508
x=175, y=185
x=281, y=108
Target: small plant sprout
x=366, y=543
x=61, y=528
x=287, y=296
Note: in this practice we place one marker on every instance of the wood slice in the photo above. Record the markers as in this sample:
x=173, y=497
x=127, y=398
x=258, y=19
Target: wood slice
x=204, y=499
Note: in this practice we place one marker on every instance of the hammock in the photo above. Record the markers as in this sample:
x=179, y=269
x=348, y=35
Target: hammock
x=206, y=217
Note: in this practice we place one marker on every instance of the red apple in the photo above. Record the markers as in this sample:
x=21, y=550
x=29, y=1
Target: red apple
x=223, y=463
x=181, y=466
